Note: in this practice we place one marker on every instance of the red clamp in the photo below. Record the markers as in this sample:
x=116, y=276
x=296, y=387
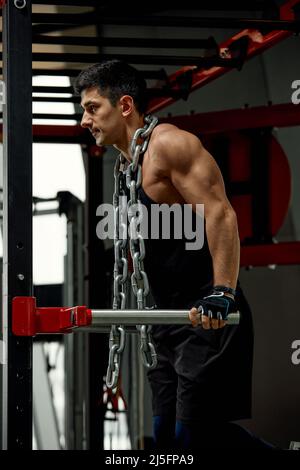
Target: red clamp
x=2, y=3
x=29, y=320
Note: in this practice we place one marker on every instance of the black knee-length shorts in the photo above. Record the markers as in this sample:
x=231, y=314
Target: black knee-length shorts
x=204, y=374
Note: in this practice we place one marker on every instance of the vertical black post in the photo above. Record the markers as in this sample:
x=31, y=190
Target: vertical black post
x=17, y=220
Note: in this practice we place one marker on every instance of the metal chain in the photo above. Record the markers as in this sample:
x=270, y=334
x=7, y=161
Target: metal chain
x=147, y=348
x=116, y=347
x=139, y=278
x=117, y=334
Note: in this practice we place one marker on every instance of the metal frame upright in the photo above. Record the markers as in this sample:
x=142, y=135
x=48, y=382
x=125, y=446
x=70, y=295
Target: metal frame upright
x=17, y=214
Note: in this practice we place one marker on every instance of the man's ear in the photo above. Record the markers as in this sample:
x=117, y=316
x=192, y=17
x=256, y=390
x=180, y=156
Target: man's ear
x=127, y=105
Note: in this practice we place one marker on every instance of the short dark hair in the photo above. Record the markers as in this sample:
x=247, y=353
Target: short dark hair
x=114, y=78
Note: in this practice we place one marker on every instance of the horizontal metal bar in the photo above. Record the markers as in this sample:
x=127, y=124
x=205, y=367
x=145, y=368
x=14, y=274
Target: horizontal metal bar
x=144, y=59
x=56, y=99
x=277, y=115
x=67, y=57
x=165, y=21
x=152, y=92
x=61, y=140
x=71, y=3
x=60, y=130
x=246, y=5
x=45, y=212
x=41, y=200
x=73, y=117
x=52, y=89
x=60, y=133
x=282, y=115
x=148, y=317
x=85, y=18
x=51, y=28
x=210, y=22
x=56, y=72
x=147, y=74
x=125, y=42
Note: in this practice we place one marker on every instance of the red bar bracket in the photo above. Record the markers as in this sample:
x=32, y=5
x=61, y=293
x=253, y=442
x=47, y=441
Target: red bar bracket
x=29, y=320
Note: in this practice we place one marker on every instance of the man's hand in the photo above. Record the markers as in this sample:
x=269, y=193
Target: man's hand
x=213, y=310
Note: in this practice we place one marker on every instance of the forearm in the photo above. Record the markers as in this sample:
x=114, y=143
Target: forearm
x=224, y=246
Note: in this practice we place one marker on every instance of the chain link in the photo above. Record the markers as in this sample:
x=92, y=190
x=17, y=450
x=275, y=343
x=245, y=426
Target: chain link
x=147, y=348
x=139, y=278
x=120, y=274
x=116, y=347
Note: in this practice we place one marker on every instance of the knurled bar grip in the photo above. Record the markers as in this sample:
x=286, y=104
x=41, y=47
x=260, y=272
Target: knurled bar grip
x=148, y=317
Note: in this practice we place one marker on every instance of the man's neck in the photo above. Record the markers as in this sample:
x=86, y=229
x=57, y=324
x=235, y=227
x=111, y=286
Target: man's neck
x=124, y=145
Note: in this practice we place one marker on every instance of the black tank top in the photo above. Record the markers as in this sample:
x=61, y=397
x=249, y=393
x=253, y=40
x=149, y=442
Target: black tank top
x=177, y=275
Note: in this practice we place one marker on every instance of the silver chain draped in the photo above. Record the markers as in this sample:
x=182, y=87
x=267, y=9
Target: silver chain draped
x=139, y=278
x=117, y=334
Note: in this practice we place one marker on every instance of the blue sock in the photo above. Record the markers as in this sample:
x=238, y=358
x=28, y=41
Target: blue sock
x=182, y=435
x=223, y=435
x=164, y=431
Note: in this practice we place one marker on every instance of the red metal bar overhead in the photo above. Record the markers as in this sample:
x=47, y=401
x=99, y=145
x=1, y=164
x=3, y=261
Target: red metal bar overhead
x=279, y=115
x=258, y=43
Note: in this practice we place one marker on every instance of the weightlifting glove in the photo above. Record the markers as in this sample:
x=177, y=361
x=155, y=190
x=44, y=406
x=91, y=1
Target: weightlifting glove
x=217, y=305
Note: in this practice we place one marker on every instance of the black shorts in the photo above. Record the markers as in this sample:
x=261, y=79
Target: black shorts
x=204, y=374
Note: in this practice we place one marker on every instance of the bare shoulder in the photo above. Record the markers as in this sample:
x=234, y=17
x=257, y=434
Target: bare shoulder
x=168, y=134
x=173, y=146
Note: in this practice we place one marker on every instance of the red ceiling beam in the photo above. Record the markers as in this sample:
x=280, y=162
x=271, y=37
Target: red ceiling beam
x=49, y=130
x=264, y=255
x=258, y=43
x=279, y=115
x=59, y=132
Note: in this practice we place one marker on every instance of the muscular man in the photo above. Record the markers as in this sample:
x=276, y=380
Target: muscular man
x=203, y=378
